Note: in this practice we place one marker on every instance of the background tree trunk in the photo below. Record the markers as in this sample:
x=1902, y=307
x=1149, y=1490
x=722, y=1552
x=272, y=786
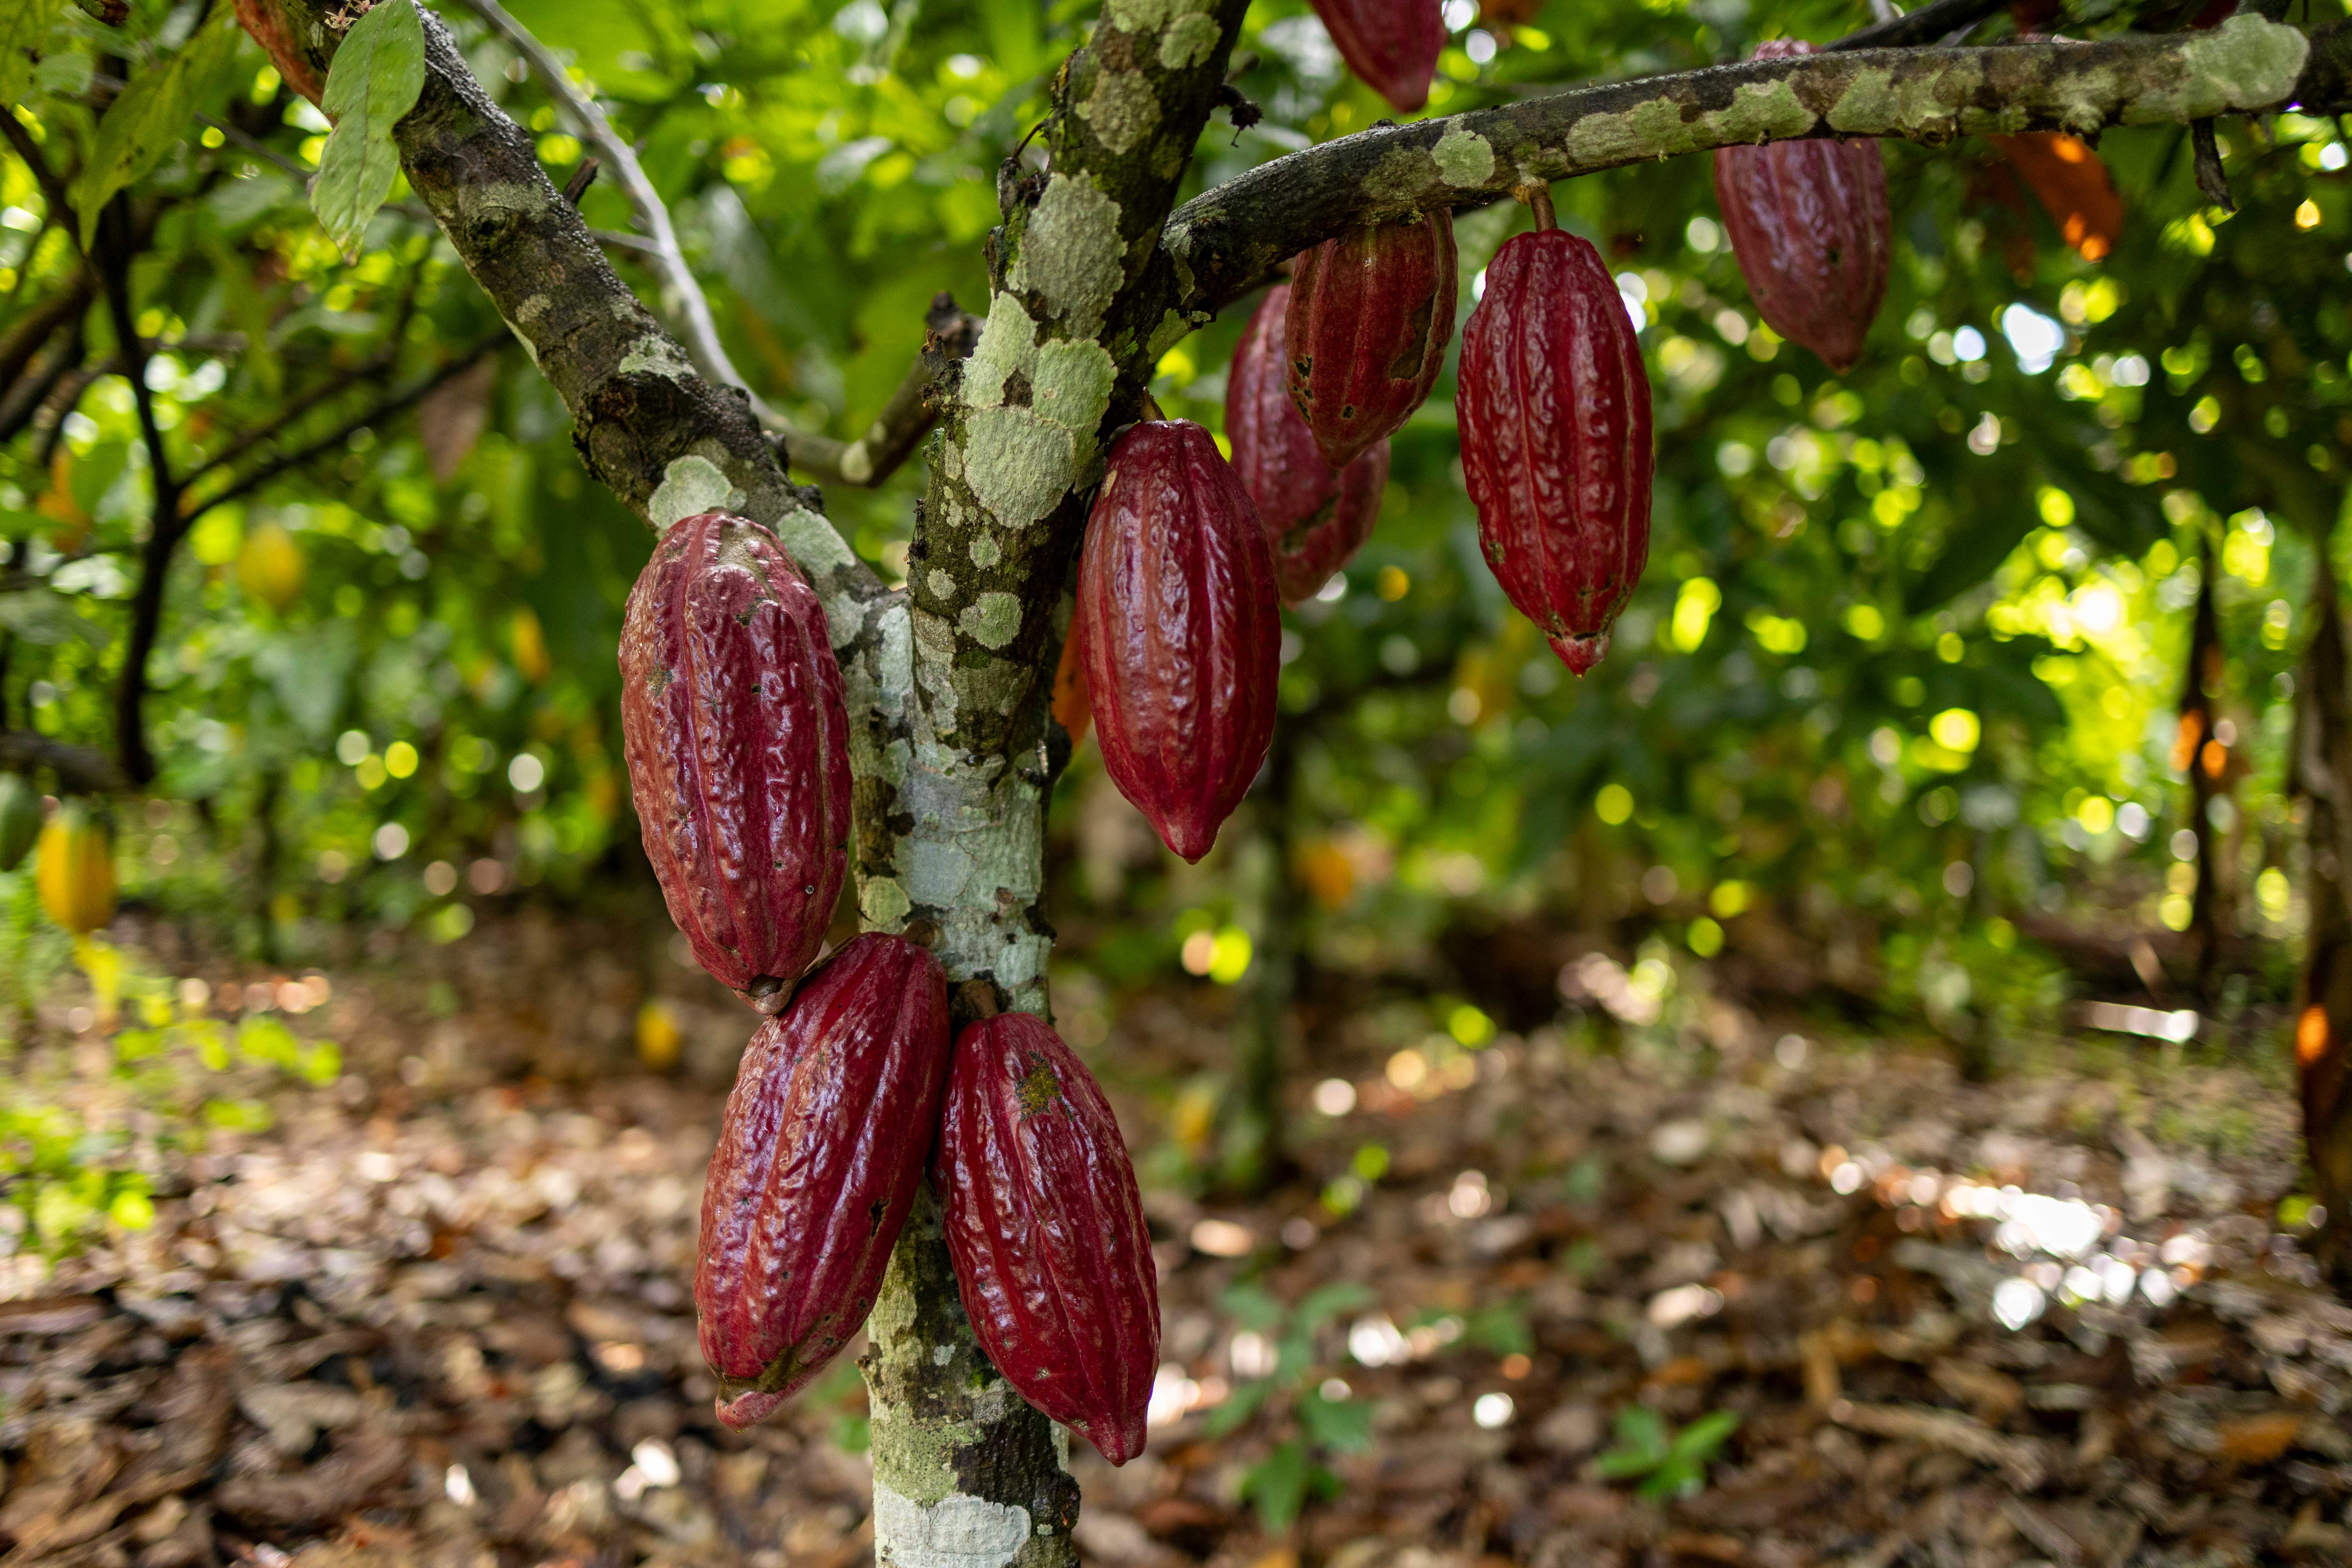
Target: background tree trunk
x=2320, y=771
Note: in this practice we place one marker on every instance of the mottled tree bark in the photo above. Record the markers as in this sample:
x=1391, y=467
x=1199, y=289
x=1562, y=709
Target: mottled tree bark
x=1092, y=281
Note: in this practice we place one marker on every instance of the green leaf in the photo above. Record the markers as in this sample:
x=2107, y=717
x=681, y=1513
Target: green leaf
x=1238, y=1408
x=23, y=25
x=46, y=619
x=148, y=119
x=1343, y=1426
x=1280, y=1482
x=374, y=82
x=1641, y=1446
x=1252, y=1308
x=1320, y=1305
x=1700, y=1441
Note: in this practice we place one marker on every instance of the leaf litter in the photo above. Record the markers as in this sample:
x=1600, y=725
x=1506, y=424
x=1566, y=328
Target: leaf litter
x=438, y=1312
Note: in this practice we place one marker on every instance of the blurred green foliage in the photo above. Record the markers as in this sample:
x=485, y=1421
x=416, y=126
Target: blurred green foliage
x=1899, y=684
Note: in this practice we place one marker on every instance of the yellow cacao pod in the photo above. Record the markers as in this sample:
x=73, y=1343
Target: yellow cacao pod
x=271, y=566
x=73, y=869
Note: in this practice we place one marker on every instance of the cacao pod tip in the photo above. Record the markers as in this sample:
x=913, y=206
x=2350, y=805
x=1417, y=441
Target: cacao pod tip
x=768, y=996
x=1581, y=653
x=1118, y=1444
x=748, y=1409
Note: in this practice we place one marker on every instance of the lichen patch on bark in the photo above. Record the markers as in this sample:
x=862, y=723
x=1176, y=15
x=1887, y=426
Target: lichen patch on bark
x=1464, y=157
x=1070, y=255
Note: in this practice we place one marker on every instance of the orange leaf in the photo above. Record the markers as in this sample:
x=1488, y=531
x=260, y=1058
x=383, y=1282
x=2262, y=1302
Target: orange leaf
x=2073, y=186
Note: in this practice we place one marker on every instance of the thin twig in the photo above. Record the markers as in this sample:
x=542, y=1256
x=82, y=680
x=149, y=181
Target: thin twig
x=904, y=420
x=699, y=330
x=2212, y=181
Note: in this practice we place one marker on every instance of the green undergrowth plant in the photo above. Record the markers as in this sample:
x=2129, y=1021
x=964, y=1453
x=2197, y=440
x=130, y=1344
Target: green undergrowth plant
x=1668, y=1464
x=85, y=1142
x=1285, y=1381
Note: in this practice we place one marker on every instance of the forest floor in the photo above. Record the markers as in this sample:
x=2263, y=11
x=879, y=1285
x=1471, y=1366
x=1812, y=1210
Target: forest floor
x=437, y=1311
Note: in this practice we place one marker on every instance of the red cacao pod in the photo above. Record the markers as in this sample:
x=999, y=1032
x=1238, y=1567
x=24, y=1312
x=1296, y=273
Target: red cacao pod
x=825, y=1138
x=1391, y=45
x=1179, y=631
x=1809, y=223
x=1045, y=1230
x=1316, y=518
x=737, y=749
x=1369, y=316
x=1554, y=414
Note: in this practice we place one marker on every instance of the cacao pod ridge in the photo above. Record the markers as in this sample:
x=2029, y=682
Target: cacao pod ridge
x=1810, y=225
x=1316, y=518
x=824, y=1138
x=1045, y=1230
x=1179, y=631
x=1554, y=404
x=737, y=743
x=1369, y=315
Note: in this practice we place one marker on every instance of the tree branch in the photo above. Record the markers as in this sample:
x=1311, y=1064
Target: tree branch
x=165, y=527
x=1222, y=244
x=695, y=323
x=78, y=769
x=663, y=439
x=904, y=420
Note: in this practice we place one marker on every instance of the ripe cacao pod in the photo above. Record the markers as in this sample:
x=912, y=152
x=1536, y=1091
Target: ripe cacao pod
x=1555, y=414
x=1809, y=223
x=1391, y=45
x=20, y=820
x=823, y=1140
x=1371, y=313
x=73, y=869
x=1045, y=1230
x=1179, y=631
x=1315, y=518
x=737, y=750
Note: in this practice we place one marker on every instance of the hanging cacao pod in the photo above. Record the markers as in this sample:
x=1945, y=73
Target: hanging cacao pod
x=1809, y=223
x=1554, y=414
x=1371, y=313
x=737, y=750
x=1315, y=518
x=1391, y=45
x=1179, y=631
x=20, y=820
x=73, y=869
x=823, y=1140
x=1045, y=1230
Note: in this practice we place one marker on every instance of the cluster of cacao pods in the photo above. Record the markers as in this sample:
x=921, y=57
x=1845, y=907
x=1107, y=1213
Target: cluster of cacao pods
x=850, y=1092
x=1189, y=558
x=829, y=1129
